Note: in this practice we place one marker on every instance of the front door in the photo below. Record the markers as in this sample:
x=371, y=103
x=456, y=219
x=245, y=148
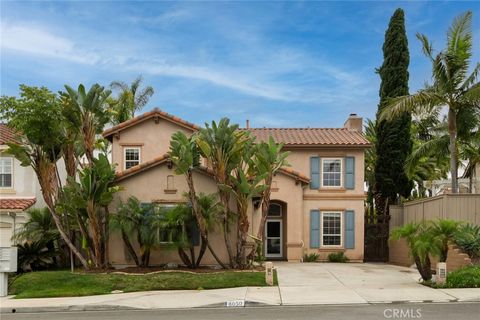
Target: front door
x=273, y=239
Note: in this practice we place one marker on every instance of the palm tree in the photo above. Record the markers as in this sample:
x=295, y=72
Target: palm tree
x=35, y=255
x=421, y=243
x=223, y=146
x=452, y=86
x=138, y=221
x=87, y=112
x=185, y=155
x=182, y=227
x=90, y=196
x=267, y=159
x=445, y=230
x=471, y=152
x=130, y=99
x=40, y=225
x=243, y=190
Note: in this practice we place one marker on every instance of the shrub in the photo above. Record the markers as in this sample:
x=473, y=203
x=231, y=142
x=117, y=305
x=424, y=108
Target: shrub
x=337, y=257
x=466, y=277
x=312, y=257
x=468, y=239
x=34, y=256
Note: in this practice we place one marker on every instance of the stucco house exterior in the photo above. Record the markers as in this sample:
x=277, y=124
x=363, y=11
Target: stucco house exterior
x=317, y=203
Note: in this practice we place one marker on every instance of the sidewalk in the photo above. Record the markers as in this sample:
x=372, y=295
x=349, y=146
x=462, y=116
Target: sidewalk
x=299, y=284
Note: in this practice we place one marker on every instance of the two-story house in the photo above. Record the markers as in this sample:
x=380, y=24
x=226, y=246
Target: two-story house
x=317, y=203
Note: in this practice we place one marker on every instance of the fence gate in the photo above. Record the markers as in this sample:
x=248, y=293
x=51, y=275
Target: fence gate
x=376, y=238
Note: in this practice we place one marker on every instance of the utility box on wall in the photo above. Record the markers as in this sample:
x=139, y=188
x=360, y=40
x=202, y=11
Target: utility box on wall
x=8, y=259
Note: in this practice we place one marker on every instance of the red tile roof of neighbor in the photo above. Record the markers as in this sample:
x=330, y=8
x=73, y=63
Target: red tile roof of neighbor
x=288, y=136
x=7, y=134
x=166, y=158
x=311, y=136
x=16, y=203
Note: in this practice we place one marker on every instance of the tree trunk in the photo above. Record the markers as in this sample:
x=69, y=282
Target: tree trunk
x=424, y=268
x=198, y=214
x=46, y=174
x=203, y=248
x=130, y=249
x=215, y=255
x=452, y=130
x=184, y=257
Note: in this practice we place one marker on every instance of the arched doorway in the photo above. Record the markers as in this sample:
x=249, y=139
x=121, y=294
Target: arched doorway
x=275, y=231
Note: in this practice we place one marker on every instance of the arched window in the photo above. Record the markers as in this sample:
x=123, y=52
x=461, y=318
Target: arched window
x=275, y=210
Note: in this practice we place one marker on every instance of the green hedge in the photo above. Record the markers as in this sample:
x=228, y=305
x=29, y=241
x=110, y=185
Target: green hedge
x=466, y=277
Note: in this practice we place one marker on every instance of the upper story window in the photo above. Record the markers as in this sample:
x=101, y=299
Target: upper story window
x=6, y=172
x=331, y=172
x=131, y=157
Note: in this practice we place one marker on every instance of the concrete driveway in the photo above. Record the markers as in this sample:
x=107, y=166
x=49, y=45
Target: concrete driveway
x=332, y=283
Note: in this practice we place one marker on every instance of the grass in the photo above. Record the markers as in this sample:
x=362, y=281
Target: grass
x=65, y=284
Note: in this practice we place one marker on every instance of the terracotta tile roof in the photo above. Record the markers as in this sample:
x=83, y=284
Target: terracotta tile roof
x=166, y=158
x=295, y=174
x=147, y=115
x=311, y=136
x=7, y=134
x=16, y=203
x=141, y=167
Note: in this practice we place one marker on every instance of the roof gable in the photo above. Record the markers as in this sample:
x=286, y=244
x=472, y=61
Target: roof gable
x=155, y=114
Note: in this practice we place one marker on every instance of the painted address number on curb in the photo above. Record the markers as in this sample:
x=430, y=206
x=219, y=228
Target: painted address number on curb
x=235, y=303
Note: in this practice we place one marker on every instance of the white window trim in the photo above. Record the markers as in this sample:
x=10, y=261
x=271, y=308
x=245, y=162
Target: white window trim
x=322, y=171
x=341, y=230
x=125, y=155
x=11, y=187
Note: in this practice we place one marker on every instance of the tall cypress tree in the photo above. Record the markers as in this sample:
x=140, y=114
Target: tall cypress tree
x=394, y=142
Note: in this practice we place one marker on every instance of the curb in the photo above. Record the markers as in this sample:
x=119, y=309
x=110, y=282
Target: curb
x=248, y=304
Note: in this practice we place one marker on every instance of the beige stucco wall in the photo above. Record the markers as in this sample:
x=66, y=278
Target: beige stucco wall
x=399, y=255
x=153, y=139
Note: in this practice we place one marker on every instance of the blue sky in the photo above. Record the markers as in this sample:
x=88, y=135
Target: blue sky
x=289, y=64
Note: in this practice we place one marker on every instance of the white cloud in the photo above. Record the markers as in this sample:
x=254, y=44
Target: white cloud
x=34, y=41
x=268, y=77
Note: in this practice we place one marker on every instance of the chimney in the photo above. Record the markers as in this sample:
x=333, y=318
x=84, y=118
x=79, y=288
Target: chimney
x=354, y=122
x=247, y=125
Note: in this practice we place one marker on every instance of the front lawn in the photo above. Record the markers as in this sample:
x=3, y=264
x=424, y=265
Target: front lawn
x=65, y=284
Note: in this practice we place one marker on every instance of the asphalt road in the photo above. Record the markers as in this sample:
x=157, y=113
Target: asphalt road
x=434, y=311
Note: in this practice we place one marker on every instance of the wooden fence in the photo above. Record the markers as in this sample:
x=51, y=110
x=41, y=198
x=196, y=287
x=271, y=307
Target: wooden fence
x=460, y=207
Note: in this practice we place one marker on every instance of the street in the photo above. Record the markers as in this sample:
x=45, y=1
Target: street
x=433, y=311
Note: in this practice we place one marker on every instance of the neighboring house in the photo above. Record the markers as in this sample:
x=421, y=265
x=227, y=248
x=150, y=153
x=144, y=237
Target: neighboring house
x=465, y=185
x=317, y=204
x=19, y=190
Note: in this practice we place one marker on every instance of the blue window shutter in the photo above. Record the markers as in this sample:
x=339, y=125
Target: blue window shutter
x=314, y=229
x=314, y=172
x=349, y=229
x=349, y=173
